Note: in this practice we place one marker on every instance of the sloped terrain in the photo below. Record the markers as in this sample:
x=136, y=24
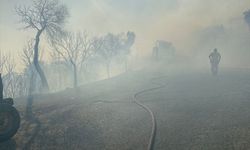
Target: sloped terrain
x=194, y=110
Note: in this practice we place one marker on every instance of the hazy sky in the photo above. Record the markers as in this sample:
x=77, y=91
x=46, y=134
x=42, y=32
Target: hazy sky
x=177, y=21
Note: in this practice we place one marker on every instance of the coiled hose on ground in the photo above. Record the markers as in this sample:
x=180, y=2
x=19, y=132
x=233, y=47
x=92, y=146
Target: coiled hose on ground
x=151, y=141
x=153, y=120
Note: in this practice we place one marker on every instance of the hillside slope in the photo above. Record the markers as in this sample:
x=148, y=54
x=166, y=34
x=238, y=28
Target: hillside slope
x=193, y=111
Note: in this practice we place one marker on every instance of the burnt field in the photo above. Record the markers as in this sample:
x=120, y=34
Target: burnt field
x=193, y=111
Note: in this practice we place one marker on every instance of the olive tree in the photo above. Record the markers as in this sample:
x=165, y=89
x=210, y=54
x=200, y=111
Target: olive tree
x=47, y=16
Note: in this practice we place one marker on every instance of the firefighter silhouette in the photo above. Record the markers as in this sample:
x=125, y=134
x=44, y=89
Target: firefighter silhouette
x=214, y=58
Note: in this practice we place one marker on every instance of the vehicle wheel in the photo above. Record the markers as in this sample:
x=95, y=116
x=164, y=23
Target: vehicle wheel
x=9, y=121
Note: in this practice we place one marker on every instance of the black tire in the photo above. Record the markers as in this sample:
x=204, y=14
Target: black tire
x=9, y=121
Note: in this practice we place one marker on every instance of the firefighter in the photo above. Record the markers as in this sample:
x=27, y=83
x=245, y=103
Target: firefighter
x=214, y=58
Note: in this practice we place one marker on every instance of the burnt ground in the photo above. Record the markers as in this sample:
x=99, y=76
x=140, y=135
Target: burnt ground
x=194, y=111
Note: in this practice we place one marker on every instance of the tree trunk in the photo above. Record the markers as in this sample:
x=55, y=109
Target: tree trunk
x=75, y=75
x=36, y=62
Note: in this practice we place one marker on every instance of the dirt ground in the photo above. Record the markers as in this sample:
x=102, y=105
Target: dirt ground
x=194, y=111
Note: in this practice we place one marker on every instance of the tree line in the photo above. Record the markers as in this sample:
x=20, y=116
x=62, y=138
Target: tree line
x=71, y=52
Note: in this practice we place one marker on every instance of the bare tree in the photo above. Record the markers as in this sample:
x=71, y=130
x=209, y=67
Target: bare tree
x=107, y=47
x=74, y=49
x=87, y=49
x=2, y=62
x=43, y=15
x=29, y=73
x=127, y=43
x=57, y=70
x=8, y=78
x=12, y=81
x=27, y=53
x=111, y=46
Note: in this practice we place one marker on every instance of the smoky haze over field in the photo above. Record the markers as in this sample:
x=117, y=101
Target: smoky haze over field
x=194, y=27
x=97, y=74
